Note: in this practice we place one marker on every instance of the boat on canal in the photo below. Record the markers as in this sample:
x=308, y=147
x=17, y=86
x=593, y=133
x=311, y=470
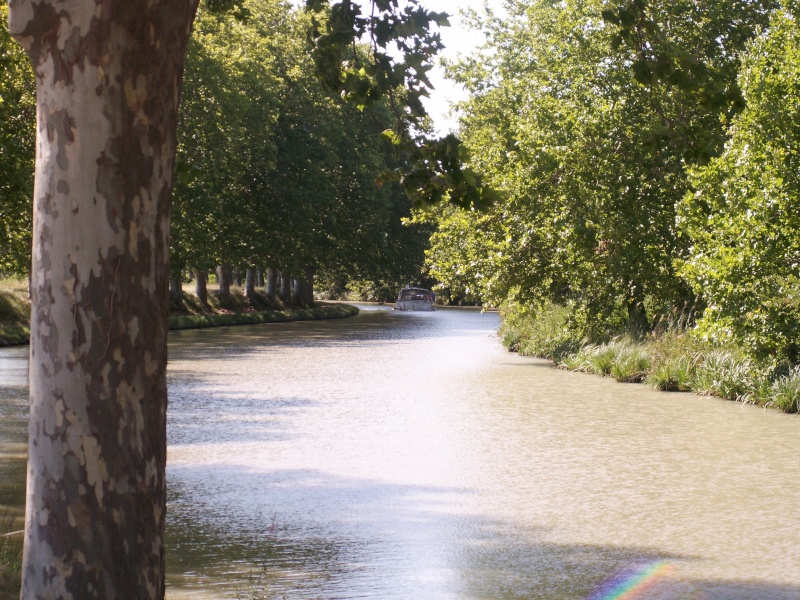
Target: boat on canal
x=415, y=298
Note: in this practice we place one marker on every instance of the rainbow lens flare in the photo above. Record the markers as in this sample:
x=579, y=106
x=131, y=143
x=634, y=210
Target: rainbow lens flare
x=629, y=584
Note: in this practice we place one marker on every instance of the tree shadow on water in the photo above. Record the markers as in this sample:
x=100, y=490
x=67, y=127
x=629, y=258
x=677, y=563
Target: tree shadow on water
x=197, y=416
x=312, y=534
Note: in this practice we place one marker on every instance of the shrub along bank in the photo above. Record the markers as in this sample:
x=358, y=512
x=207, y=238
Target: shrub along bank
x=670, y=360
x=190, y=313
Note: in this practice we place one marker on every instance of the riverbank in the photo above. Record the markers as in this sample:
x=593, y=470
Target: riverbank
x=189, y=313
x=672, y=360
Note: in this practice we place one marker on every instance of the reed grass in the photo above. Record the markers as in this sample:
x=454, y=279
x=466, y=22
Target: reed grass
x=784, y=393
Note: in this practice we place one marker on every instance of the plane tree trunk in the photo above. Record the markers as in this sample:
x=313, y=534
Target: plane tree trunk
x=309, y=289
x=286, y=286
x=271, y=283
x=176, y=290
x=224, y=277
x=108, y=79
x=201, y=285
x=250, y=283
x=297, y=295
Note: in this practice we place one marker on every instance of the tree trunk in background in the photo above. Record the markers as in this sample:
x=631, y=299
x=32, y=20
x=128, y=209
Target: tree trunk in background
x=297, y=296
x=286, y=286
x=271, y=284
x=224, y=280
x=259, y=278
x=176, y=289
x=309, y=289
x=637, y=317
x=108, y=80
x=250, y=283
x=236, y=277
x=201, y=286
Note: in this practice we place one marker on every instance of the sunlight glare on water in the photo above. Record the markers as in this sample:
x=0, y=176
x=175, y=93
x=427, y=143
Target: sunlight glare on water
x=410, y=456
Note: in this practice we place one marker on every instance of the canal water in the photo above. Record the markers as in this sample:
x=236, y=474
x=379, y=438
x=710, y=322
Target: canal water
x=409, y=456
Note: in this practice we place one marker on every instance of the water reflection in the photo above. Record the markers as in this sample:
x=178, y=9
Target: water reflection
x=402, y=455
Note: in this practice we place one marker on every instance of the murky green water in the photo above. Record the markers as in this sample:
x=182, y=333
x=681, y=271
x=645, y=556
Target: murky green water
x=407, y=455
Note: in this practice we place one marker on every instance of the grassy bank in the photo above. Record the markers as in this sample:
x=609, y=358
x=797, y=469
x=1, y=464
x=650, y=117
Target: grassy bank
x=672, y=360
x=189, y=313
x=15, y=311
x=10, y=556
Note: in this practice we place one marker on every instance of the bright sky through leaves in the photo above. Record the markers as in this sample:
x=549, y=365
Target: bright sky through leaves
x=458, y=40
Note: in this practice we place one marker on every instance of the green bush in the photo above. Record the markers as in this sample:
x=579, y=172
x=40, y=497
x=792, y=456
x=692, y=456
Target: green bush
x=545, y=333
x=670, y=360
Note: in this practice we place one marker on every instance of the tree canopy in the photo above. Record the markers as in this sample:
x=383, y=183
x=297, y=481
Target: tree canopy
x=276, y=170
x=589, y=117
x=742, y=213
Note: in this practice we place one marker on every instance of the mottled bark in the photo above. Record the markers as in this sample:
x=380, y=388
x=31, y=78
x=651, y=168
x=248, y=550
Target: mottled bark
x=286, y=286
x=201, y=285
x=250, y=283
x=108, y=78
x=271, y=284
x=224, y=280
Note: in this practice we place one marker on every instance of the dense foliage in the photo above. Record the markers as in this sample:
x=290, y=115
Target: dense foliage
x=647, y=153
x=17, y=138
x=743, y=216
x=273, y=169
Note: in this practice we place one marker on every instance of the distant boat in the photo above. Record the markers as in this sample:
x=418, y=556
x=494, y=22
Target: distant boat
x=414, y=298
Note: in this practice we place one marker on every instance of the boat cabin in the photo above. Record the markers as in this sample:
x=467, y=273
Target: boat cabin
x=414, y=298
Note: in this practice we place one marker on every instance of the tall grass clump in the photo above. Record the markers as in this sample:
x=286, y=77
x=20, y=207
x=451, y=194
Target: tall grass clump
x=725, y=374
x=784, y=392
x=674, y=374
x=600, y=359
x=631, y=363
x=624, y=360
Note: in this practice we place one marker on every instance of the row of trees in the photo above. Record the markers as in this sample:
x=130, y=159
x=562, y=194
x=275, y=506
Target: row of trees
x=272, y=170
x=647, y=152
x=108, y=80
